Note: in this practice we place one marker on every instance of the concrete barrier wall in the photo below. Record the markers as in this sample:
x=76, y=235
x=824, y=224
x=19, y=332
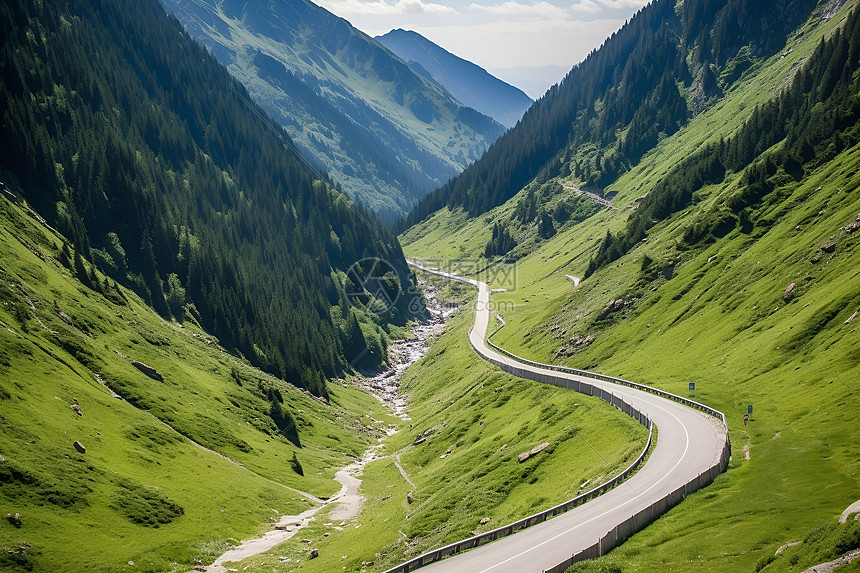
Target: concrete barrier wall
x=643, y=518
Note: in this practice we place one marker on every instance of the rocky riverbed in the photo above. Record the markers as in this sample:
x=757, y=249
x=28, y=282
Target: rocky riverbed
x=386, y=387
x=404, y=353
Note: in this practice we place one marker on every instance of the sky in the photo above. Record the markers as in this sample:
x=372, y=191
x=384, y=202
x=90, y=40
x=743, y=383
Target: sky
x=499, y=35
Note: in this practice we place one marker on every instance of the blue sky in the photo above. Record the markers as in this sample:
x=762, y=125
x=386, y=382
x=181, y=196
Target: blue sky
x=498, y=35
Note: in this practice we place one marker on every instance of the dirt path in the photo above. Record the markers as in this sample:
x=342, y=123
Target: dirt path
x=287, y=527
x=403, y=472
x=830, y=566
x=349, y=503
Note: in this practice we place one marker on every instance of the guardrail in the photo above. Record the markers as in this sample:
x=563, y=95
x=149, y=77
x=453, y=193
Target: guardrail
x=640, y=519
x=510, y=529
x=604, y=378
x=624, y=529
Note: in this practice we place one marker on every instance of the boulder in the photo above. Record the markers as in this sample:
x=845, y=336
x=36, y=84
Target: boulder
x=828, y=246
x=614, y=305
x=853, y=225
x=576, y=344
x=65, y=318
x=315, y=553
x=148, y=370
x=76, y=409
x=538, y=449
x=80, y=447
x=789, y=292
x=532, y=452
x=853, y=317
x=486, y=520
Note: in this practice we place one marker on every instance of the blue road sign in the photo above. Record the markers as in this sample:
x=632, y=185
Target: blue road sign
x=692, y=386
x=749, y=409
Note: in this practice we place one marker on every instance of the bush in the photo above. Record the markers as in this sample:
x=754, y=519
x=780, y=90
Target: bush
x=764, y=562
x=297, y=465
x=849, y=538
x=145, y=505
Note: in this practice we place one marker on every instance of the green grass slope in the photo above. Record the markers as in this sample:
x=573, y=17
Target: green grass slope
x=174, y=471
x=469, y=422
x=762, y=314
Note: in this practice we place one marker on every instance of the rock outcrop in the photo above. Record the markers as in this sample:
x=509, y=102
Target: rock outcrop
x=532, y=452
x=148, y=370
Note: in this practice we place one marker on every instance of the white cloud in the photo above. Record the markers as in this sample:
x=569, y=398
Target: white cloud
x=523, y=42
x=586, y=6
x=623, y=3
x=379, y=7
x=513, y=8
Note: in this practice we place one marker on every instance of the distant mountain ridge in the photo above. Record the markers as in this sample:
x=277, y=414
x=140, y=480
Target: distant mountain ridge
x=471, y=84
x=383, y=131
x=534, y=80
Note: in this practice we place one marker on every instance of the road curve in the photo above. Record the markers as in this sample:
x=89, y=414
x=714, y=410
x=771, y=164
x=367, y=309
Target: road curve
x=690, y=443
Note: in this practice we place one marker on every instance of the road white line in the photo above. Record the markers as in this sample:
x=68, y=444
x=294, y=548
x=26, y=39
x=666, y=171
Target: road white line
x=632, y=499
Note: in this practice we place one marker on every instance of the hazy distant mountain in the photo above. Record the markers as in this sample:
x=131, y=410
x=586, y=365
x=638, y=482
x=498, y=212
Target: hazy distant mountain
x=469, y=83
x=385, y=132
x=534, y=80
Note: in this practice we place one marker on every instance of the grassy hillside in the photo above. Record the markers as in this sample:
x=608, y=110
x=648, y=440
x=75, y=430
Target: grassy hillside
x=761, y=313
x=173, y=471
x=129, y=138
x=469, y=422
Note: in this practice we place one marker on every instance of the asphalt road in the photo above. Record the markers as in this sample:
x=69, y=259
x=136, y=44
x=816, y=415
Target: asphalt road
x=689, y=443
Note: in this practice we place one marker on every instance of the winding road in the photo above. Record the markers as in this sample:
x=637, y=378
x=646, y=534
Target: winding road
x=690, y=443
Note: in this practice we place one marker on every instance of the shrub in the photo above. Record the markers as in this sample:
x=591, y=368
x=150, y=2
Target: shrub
x=145, y=505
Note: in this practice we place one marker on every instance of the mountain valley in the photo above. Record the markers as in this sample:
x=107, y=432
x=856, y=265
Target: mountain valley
x=384, y=132
x=195, y=296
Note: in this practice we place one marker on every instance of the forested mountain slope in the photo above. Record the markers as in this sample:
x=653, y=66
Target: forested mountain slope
x=469, y=83
x=727, y=258
x=384, y=132
x=136, y=145
x=644, y=83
